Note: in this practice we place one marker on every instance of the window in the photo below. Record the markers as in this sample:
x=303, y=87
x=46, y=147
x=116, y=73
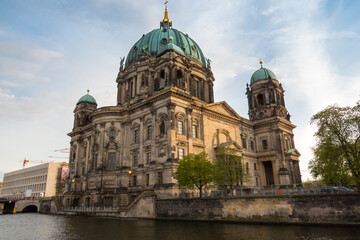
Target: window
x=247, y=167
x=197, y=84
x=131, y=89
x=244, y=143
x=257, y=182
x=84, y=152
x=135, y=161
x=162, y=79
x=148, y=157
x=95, y=161
x=156, y=84
x=134, y=181
x=181, y=153
x=162, y=127
x=265, y=144
x=260, y=98
x=252, y=145
x=111, y=161
x=179, y=79
x=255, y=167
x=160, y=177
x=112, y=134
x=136, y=136
x=143, y=82
x=147, y=179
x=149, y=132
x=194, y=131
x=180, y=127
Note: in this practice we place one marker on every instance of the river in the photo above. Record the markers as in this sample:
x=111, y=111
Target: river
x=30, y=226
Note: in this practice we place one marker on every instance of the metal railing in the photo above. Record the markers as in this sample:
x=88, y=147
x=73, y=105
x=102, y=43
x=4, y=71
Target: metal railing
x=266, y=191
x=90, y=209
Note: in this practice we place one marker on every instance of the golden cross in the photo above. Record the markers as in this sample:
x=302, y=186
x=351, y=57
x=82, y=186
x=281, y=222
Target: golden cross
x=166, y=2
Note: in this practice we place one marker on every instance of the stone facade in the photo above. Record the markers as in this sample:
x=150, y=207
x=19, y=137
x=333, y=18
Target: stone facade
x=165, y=110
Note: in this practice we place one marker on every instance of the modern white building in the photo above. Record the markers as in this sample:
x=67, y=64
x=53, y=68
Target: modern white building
x=39, y=181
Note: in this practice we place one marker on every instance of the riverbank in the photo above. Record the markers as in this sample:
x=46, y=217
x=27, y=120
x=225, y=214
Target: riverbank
x=324, y=209
x=305, y=209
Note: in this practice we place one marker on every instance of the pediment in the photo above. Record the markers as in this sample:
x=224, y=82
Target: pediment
x=293, y=152
x=232, y=145
x=223, y=108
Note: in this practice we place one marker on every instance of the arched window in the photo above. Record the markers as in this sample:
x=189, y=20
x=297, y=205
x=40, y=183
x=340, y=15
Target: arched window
x=195, y=129
x=260, y=98
x=180, y=127
x=179, y=79
x=143, y=81
x=162, y=79
x=162, y=127
x=149, y=132
x=180, y=120
x=244, y=145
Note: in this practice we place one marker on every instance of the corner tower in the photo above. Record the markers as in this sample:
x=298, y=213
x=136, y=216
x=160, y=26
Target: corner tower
x=266, y=96
x=273, y=129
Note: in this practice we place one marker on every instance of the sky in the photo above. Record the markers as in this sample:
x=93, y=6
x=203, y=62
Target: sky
x=51, y=52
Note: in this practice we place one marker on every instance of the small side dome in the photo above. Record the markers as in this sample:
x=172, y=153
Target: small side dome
x=87, y=99
x=262, y=73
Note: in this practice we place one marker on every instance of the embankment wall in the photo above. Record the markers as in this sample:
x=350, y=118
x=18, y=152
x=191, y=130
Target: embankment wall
x=304, y=209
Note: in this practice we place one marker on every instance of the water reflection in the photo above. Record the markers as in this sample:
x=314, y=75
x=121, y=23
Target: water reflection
x=38, y=226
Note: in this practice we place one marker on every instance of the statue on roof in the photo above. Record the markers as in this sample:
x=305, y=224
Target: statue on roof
x=122, y=59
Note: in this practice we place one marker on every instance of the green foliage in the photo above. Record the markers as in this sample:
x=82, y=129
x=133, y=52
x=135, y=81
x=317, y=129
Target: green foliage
x=229, y=168
x=330, y=164
x=337, y=151
x=195, y=170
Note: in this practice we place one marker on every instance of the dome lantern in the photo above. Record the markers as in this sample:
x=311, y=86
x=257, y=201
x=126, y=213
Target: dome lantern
x=166, y=22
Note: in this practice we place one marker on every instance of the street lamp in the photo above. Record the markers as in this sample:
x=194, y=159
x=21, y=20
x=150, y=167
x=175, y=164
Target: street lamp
x=130, y=177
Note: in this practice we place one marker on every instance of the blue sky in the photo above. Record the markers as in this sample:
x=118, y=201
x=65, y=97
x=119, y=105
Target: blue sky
x=52, y=51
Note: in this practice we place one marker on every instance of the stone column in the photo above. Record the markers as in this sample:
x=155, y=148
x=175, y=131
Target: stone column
x=101, y=154
x=189, y=129
x=141, y=136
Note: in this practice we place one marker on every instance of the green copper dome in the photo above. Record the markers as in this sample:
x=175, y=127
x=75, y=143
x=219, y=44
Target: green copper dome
x=87, y=99
x=262, y=73
x=162, y=40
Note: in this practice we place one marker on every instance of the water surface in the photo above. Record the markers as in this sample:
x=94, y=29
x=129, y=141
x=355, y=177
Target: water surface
x=30, y=226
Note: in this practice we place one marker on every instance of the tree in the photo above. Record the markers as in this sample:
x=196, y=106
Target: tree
x=337, y=150
x=195, y=170
x=330, y=165
x=229, y=168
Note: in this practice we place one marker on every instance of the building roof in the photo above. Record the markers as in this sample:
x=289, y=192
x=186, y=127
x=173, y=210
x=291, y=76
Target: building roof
x=262, y=73
x=87, y=98
x=163, y=39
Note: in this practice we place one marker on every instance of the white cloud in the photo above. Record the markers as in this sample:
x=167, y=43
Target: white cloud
x=5, y=95
x=20, y=64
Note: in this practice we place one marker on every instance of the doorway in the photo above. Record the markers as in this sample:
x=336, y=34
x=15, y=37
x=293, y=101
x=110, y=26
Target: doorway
x=269, y=173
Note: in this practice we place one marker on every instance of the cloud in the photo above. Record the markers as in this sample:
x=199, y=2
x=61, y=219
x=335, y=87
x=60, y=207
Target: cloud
x=5, y=96
x=20, y=64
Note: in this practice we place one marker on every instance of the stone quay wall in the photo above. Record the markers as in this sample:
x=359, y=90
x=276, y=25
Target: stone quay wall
x=302, y=209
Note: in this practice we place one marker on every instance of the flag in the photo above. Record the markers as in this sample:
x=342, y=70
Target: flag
x=25, y=161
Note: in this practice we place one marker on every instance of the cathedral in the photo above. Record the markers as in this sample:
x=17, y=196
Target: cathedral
x=166, y=110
